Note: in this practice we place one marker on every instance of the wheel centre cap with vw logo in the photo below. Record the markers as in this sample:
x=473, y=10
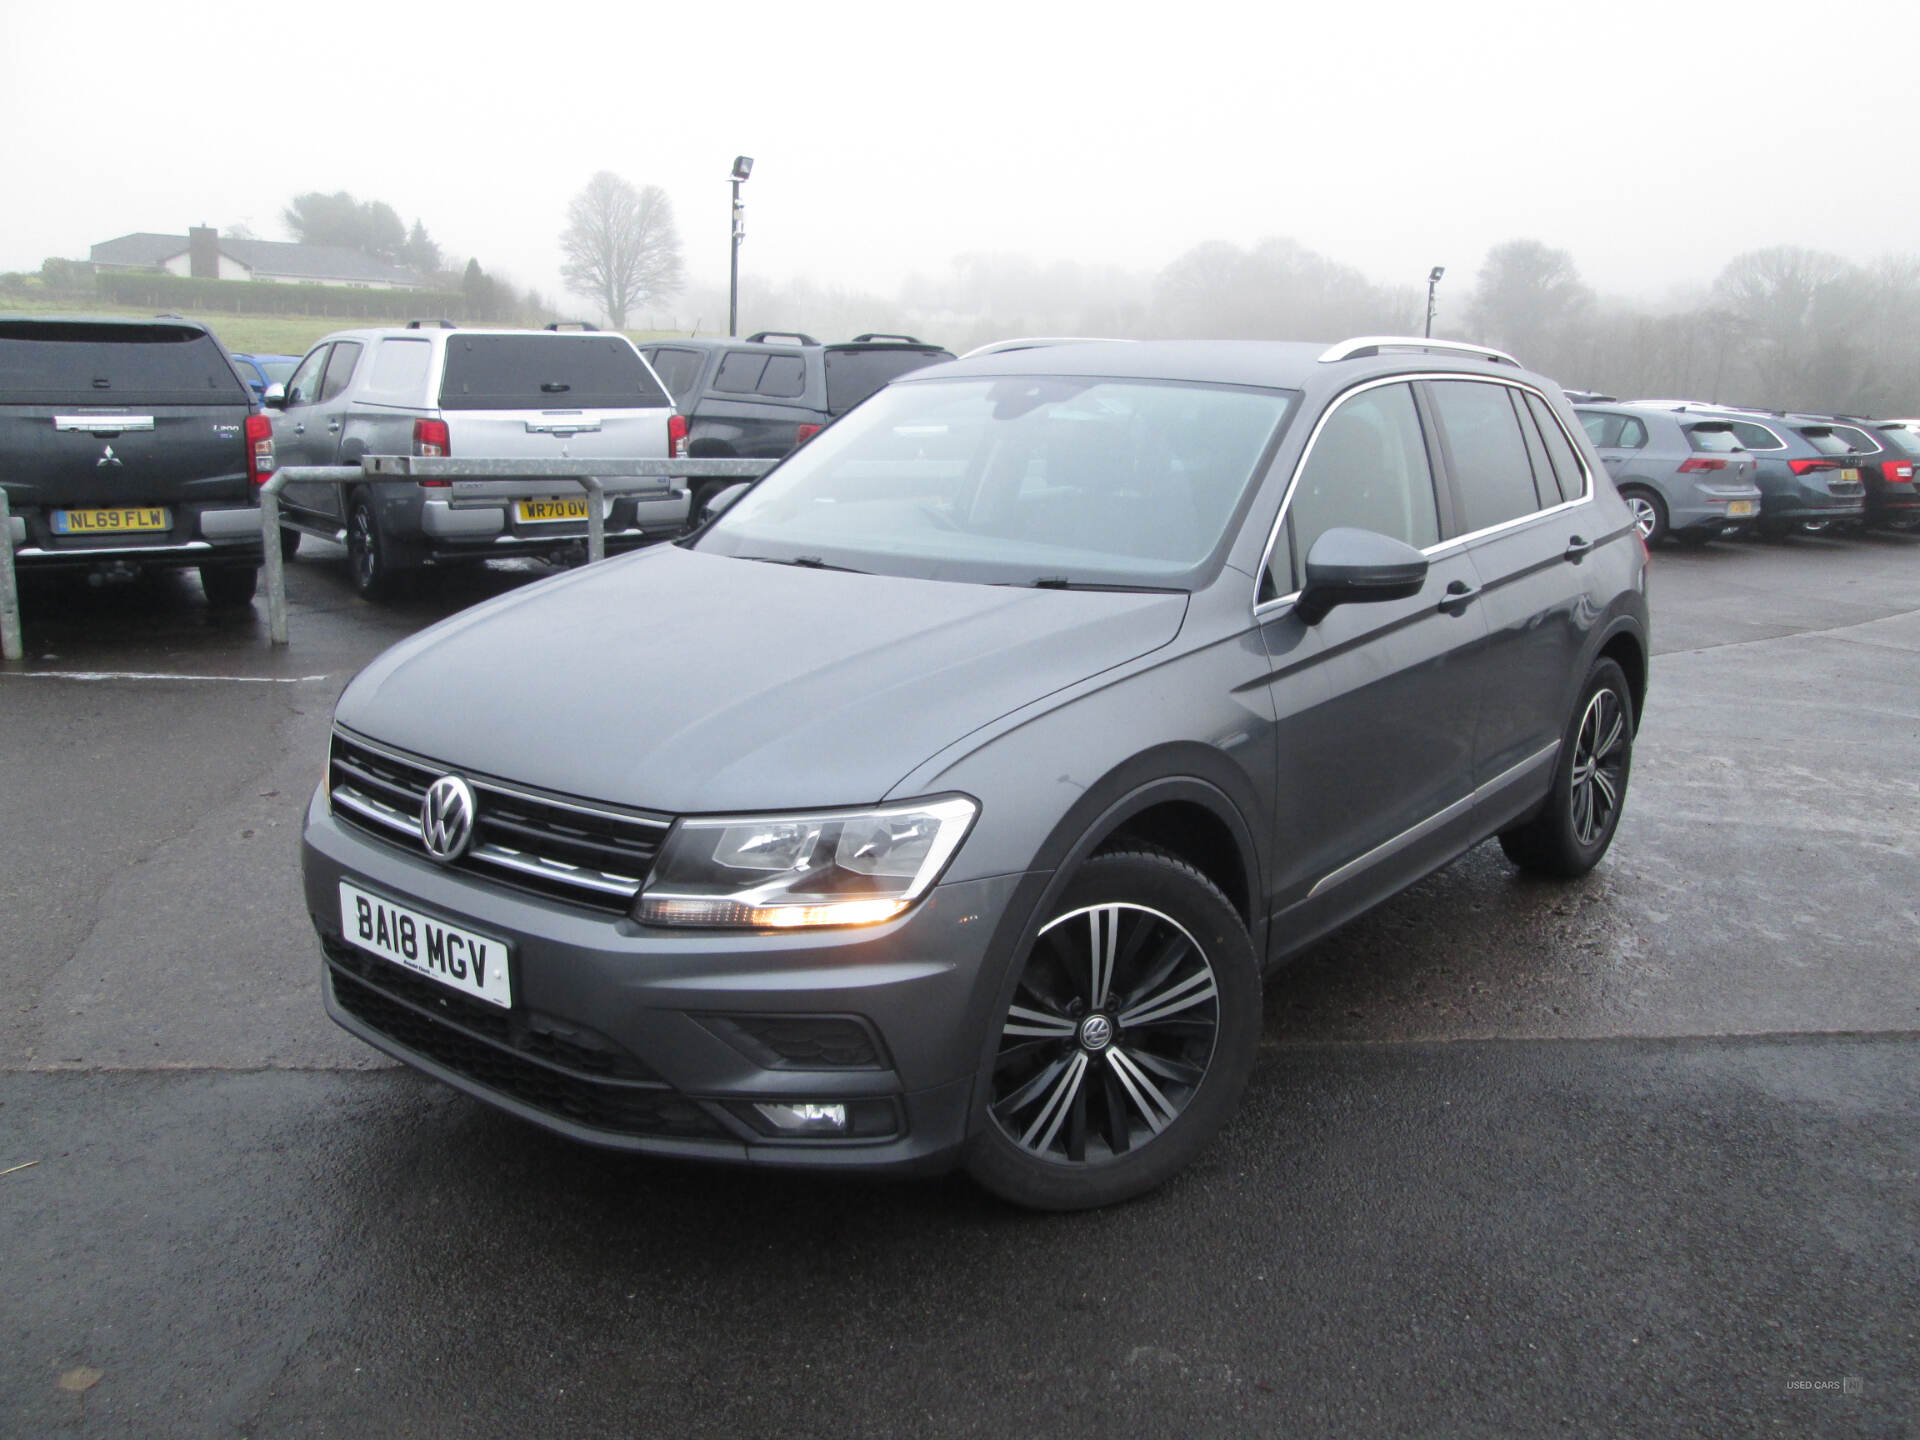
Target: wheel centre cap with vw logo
x=446, y=818
x=1096, y=1032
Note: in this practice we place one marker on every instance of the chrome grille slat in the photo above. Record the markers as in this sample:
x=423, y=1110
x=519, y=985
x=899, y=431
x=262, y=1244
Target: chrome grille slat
x=585, y=854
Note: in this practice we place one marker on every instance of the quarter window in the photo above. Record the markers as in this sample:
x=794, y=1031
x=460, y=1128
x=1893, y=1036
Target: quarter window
x=1560, y=453
x=1368, y=470
x=1489, y=454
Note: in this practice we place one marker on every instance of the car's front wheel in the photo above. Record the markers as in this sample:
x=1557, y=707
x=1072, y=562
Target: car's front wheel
x=1570, y=833
x=1128, y=1039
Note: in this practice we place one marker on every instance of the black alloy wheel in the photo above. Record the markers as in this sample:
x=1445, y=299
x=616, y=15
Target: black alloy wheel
x=229, y=586
x=1573, y=830
x=1128, y=1038
x=369, y=563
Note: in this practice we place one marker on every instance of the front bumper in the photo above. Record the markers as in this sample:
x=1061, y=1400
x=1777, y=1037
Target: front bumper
x=647, y=1039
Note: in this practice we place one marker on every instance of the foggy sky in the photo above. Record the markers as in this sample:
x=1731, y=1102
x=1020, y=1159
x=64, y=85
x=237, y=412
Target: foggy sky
x=1654, y=141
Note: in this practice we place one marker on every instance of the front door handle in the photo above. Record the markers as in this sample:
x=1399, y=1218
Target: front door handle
x=1459, y=595
x=334, y=428
x=1576, y=550
x=301, y=428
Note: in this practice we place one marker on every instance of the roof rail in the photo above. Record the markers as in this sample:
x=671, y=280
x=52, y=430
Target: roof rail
x=761, y=337
x=1364, y=345
x=423, y=324
x=873, y=335
x=570, y=325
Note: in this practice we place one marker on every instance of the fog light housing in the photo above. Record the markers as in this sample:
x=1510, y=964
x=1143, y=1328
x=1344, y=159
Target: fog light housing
x=804, y=1118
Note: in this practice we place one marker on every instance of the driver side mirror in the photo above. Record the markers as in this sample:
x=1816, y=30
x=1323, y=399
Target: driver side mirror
x=1353, y=567
x=275, y=397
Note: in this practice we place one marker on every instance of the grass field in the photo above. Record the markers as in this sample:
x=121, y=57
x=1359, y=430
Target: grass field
x=246, y=334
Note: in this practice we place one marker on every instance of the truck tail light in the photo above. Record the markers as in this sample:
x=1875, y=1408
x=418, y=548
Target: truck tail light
x=430, y=438
x=1701, y=462
x=259, y=449
x=677, y=436
x=1807, y=467
x=804, y=433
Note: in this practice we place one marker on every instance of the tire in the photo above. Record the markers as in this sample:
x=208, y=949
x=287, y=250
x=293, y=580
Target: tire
x=289, y=543
x=370, y=558
x=229, y=586
x=1570, y=833
x=1093, y=1098
x=1649, y=513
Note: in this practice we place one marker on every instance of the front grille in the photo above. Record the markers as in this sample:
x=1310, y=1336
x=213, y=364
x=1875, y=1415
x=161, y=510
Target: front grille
x=592, y=855
x=803, y=1042
x=619, y=1107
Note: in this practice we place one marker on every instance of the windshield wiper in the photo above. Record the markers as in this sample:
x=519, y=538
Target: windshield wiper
x=1061, y=582
x=808, y=562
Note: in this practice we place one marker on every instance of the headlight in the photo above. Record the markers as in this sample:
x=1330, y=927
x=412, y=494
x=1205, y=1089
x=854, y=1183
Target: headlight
x=838, y=867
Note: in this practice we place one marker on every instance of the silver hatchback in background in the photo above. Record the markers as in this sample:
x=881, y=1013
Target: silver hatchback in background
x=1681, y=475
x=476, y=394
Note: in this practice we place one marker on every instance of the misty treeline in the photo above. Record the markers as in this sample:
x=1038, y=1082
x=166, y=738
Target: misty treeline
x=1780, y=328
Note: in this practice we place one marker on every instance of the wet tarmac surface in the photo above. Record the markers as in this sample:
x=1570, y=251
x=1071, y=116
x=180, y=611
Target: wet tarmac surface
x=1635, y=1155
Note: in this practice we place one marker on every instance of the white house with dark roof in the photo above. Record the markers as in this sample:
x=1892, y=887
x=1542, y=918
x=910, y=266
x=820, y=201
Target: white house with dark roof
x=204, y=253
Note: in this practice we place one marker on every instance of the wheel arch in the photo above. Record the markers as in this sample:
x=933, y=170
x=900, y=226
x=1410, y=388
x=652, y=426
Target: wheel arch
x=1626, y=648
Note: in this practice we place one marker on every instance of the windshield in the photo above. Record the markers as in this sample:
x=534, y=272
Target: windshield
x=1025, y=480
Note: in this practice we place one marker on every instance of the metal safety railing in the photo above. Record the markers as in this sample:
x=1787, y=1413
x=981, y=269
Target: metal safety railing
x=599, y=478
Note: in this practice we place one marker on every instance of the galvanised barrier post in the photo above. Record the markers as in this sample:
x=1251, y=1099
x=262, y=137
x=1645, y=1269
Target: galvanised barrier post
x=11, y=647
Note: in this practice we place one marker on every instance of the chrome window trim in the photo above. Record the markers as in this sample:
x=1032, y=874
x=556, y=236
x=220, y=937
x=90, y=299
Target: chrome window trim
x=1262, y=609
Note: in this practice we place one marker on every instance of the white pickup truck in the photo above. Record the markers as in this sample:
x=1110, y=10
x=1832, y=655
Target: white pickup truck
x=434, y=389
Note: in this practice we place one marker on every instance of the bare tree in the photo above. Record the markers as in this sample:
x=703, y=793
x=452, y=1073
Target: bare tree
x=621, y=247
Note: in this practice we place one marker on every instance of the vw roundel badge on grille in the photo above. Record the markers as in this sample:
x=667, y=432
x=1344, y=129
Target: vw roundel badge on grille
x=446, y=818
x=471, y=963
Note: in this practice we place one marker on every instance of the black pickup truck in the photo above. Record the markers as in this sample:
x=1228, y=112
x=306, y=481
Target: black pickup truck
x=127, y=444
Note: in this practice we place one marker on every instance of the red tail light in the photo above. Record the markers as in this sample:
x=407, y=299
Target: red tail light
x=259, y=449
x=677, y=436
x=805, y=433
x=430, y=438
x=1701, y=462
x=1897, y=474
x=1805, y=467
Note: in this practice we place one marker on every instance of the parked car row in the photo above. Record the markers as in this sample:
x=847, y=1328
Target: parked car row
x=1692, y=471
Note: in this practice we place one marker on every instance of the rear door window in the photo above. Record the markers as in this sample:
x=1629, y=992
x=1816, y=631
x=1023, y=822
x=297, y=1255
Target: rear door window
x=1489, y=454
x=44, y=363
x=346, y=355
x=1614, y=432
x=854, y=373
x=546, y=372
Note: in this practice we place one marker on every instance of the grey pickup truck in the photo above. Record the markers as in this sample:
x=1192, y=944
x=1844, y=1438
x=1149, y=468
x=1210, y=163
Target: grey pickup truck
x=432, y=389
x=131, y=444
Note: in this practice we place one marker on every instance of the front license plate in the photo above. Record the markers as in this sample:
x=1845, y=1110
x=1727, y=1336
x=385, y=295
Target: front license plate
x=461, y=959
x=106, y=522
x=1740, y=507
x=527, y=511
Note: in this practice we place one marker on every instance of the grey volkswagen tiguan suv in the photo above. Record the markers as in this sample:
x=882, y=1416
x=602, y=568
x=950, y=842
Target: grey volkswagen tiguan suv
x=946, y=797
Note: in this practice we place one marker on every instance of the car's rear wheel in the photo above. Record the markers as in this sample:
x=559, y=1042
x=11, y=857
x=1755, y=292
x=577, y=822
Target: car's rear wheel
x=1567, y=837
x=1649, y=513
x=370, y=560
x=1128, y=1039
x=229, y=586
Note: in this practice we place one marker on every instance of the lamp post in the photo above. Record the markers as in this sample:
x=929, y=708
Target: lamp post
x=742, y=168
x=1433, y=279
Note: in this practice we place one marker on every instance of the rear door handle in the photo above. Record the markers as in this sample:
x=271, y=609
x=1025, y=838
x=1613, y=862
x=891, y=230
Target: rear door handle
x=1576, y=550
x=334, y=428
x=1459, y=595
